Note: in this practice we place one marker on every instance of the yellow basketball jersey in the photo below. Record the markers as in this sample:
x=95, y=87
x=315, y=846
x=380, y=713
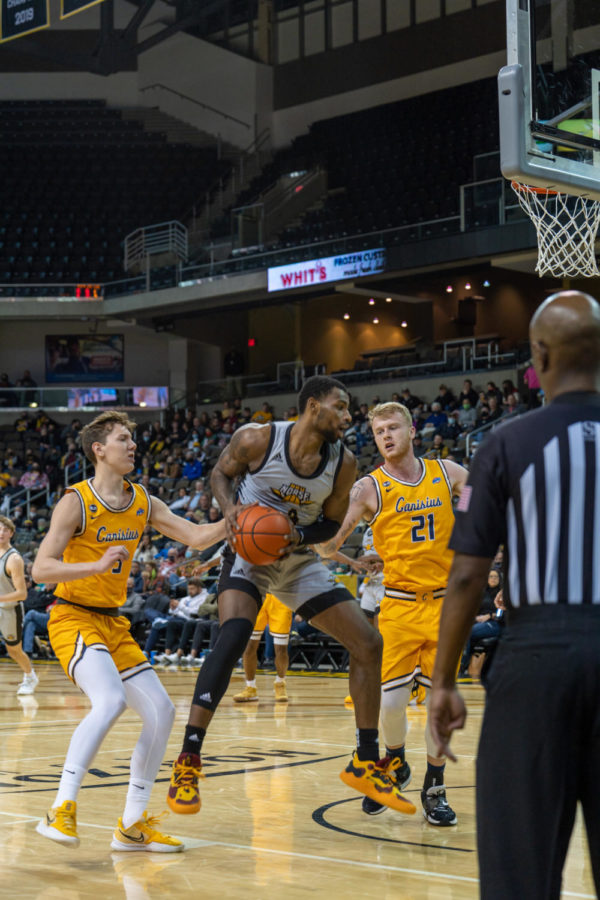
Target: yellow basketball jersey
x=412, y=527
x=101, y=527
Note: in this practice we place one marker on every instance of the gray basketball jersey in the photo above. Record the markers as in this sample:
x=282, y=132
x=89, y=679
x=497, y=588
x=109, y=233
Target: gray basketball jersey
x=6, y=585
x=276, y=483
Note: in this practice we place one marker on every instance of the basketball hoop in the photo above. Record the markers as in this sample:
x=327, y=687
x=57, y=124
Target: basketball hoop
x=566, y=228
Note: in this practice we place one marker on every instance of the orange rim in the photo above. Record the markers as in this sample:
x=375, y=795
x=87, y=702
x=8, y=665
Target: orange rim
x=523, y=188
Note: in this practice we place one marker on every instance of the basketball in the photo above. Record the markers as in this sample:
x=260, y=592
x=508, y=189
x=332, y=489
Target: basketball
x=263, y=532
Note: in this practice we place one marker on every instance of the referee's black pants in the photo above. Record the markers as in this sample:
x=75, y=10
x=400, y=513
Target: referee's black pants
x=539, y=752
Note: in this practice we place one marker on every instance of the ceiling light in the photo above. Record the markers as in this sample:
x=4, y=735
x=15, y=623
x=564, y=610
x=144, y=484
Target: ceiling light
x=371, y=302
x=486, y=283
x=375, y=321
x=346, y=315
x=449, y=288
x=468, y=286
x=388, y=299
x=403, y=323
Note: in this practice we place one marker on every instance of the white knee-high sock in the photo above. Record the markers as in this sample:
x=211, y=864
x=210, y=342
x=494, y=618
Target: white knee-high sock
x=97, y=676
x=146, y=695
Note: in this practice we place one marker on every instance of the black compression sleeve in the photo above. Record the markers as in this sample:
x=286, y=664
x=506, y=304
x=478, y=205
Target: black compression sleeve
x=320, y=531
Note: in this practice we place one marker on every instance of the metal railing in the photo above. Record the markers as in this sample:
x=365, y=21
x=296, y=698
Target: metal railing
x=26, y=496
x=483, y=429
x=212, y=109
x=154, y=240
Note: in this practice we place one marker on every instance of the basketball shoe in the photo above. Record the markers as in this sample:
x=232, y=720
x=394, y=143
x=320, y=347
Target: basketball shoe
x=248, y=695
x=280, y=689
x=349, y=702
x=399, y=773
x=183, y=796
x=28, y=684
x=143, y=835
x=373, y=780
x=60, y=824
x=435, y=806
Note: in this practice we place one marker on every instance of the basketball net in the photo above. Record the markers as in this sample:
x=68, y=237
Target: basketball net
x=566, y=228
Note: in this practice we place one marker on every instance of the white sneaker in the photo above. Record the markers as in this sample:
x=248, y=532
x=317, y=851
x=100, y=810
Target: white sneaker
x=174, y=658
x=28, y=684
x=163, y=659
x=196, y=661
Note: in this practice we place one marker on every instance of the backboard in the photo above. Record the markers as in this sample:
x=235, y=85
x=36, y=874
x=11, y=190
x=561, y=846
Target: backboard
x=549, y=95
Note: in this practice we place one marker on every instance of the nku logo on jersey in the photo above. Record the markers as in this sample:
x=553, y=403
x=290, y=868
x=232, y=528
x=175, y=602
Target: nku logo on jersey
x=293, y=493
x=427, y=503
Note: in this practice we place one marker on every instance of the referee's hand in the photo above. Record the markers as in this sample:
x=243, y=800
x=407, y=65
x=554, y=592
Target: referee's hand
x=446, y=712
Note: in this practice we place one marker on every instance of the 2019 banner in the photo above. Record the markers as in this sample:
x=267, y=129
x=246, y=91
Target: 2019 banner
x=19, y=17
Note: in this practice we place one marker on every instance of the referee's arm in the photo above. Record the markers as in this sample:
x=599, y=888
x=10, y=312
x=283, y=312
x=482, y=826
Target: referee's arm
x=447, y=710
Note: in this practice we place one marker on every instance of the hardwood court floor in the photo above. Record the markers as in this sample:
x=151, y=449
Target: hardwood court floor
x=276, y=819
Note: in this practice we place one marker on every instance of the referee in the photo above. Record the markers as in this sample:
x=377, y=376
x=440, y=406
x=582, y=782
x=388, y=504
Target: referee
x=535, y=487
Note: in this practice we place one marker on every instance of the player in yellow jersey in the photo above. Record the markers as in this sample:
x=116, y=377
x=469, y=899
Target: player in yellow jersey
x=408, y=504
x=93, y=534
x=279, y=619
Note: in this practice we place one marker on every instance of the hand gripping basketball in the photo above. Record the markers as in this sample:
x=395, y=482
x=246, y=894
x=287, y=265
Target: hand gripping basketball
x=262, y=533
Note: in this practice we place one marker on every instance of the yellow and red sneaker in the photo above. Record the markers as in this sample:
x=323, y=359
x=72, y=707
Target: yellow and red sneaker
x=183, y=796
x=373, y=780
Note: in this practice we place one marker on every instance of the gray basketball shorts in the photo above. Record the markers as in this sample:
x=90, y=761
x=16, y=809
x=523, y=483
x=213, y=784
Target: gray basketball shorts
x=295, y=581
x=11, y=623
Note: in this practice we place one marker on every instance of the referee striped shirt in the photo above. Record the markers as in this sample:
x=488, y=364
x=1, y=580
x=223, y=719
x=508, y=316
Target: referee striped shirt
x=534, y=486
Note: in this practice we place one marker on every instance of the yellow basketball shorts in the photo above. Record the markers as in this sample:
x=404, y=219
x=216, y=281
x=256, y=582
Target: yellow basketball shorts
x=277, y=616
x=72, y=631
x=409, y=629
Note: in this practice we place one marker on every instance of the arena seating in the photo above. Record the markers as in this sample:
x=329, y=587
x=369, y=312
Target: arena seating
x=78, y=179
x=394, y=165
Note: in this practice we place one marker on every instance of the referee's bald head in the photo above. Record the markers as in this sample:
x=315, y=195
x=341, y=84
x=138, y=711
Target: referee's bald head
x=565, y=334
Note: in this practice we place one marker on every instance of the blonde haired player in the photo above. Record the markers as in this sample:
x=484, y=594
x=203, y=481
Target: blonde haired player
x=13, y=591
x=408, y=504
x=93, y=534
x=279, y=619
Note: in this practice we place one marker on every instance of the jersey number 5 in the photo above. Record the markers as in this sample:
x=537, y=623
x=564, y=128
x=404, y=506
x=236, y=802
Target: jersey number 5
x=419, y=525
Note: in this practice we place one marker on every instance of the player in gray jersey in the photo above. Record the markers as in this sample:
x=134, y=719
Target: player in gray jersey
x=302, y=469
x=12, y=593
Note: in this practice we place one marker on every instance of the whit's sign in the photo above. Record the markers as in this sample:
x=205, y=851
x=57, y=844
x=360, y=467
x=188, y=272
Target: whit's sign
x=333, y=268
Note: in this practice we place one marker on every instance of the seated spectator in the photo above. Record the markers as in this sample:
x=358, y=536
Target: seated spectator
x=493, y=391
x=136, y=574
x=489, y=620
x=8, y=493
x=509, y=389
x=196, y=496
x=452, y=429
x=158, y=609
x=263, y=415
x=145, y=551
x=195, y=619
x=467, y=416
x=180, y=504
x=132, y=608
x=193, y=468
x=438, y=449
x=446, y=398
x=484, y=416
x=409, y=400
x=436, y=419
x=35, y=621
x=481, y=401
x=418, y=448
x=34, y=479
x=467, y=393
x=496, y=411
